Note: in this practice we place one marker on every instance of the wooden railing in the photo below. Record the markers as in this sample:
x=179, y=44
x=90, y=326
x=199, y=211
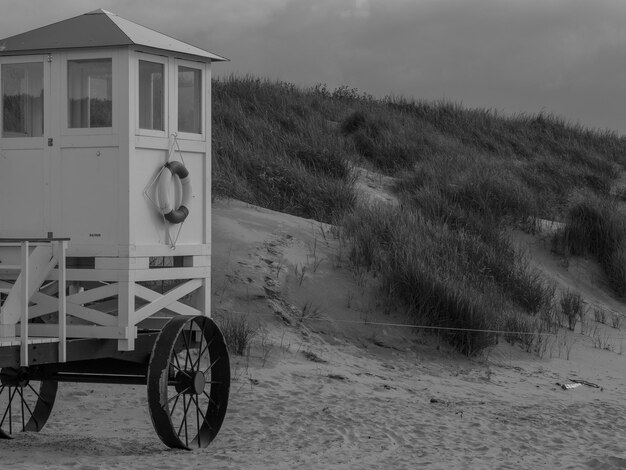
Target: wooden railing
x=34, y=268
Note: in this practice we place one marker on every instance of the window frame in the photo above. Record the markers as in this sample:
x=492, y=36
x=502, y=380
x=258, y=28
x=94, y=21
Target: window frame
x=166, y=101
x=201, y=66
x=91, y=55
x=26, y=111
x=34, y=141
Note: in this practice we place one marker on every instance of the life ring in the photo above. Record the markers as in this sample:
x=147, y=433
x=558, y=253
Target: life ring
x=171, y=169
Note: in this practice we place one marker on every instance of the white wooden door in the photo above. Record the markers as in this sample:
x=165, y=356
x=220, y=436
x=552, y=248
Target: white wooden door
x=24, y=155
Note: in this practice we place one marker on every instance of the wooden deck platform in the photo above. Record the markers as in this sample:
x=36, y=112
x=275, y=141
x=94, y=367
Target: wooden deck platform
x=17, y=341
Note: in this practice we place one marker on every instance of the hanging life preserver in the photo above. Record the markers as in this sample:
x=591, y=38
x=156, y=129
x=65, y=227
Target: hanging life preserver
x=171, y=169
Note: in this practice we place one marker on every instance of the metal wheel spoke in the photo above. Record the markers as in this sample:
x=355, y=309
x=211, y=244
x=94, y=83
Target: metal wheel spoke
x=11, y=412
x=206, y=348
x=188, y=351
x=174, y=405
x=185, y=418
x=22, y=403
x=201, y=413
x=180, y=428
x=180, y=370
x=197, y=365
x=176, y=359
x=8, y=408
x=204, y=420
x=184, y=421
x=208, y=345
x=177, y=395
x=211, y=399
x=195, y=399
x=186, y=348
x=40, y=398
x=212, y=364
x=32, y=415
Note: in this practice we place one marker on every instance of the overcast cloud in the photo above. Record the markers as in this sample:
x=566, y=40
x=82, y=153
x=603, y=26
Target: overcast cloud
x=562, y=56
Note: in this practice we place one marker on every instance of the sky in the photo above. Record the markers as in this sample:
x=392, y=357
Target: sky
x=564, y=57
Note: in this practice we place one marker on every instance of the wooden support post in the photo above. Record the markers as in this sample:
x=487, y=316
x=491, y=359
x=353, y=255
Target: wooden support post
x=61, y=248
x=203, y=298
x=24, y=305
x=126, y=313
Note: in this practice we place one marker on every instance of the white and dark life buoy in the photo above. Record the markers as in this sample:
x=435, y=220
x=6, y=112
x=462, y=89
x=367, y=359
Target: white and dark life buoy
x=171, y=170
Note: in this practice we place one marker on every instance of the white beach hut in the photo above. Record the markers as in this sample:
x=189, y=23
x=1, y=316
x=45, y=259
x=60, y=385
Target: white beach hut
x=105, y=140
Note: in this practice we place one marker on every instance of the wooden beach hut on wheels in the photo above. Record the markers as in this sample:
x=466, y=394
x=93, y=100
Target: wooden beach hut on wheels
x=105, y=174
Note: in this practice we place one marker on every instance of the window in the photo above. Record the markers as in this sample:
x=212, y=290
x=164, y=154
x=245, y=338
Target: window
x=151, y=96
x=90, y=93
x=22, y=100
x=189, y=100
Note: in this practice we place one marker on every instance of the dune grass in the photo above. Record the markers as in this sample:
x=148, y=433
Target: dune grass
x=272, y=146
x=464, y=177
x=594, y=226
x=443, y=276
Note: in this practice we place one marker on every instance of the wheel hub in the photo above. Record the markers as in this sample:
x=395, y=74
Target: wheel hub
x=190, y=382
x=198, y=383
x=11, y=377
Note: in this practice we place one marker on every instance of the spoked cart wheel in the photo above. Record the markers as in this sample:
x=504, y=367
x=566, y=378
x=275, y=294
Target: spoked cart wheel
x=25, y=403
x=188, y=382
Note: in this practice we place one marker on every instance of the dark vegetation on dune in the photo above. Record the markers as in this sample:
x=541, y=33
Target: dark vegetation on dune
x=465, y=178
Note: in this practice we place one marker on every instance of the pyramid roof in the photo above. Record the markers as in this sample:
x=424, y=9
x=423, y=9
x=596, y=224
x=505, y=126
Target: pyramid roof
x=99, y=28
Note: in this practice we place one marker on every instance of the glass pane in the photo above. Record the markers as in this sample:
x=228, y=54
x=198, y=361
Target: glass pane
x=151, y=95
x=90, y=93
x=22, y=100
x=189, y=100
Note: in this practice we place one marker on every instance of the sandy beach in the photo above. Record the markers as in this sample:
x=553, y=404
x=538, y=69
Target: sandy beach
x=330, y=381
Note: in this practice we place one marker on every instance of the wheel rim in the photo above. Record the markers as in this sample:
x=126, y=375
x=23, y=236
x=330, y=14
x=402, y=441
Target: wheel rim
x=25, y=404
x=188, y=382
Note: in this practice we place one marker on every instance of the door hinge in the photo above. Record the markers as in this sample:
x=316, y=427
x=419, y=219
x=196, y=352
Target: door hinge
x=49, y=57
x=50, y=142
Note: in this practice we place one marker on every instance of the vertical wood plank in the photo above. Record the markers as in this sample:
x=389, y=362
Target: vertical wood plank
x=24, y=305
x=61, y=248
x=125, y=313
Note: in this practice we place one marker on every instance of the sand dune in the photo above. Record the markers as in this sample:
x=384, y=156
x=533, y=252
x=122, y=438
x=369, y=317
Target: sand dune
x=336, y=389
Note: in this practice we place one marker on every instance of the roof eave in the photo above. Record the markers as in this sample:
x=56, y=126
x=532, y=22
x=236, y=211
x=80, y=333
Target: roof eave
x=208, y=58
x=17, y=52
x=183, y=55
